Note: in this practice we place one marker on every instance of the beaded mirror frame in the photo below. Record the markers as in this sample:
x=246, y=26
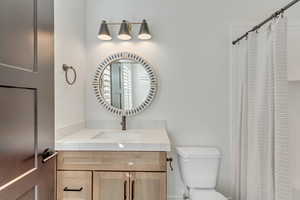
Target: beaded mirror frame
x=97, y=83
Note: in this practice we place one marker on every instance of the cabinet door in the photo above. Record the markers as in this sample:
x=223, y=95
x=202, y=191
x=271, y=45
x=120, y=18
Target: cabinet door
x=74, y=185
x=148, y=186
x=111, y=186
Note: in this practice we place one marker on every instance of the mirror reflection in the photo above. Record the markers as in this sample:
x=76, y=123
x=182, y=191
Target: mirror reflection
x=125, y=84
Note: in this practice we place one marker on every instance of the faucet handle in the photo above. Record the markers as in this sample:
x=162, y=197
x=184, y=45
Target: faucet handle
x=123, y=123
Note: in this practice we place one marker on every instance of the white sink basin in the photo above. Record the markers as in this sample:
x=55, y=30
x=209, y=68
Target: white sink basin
x=115, y=140
x=122, y=135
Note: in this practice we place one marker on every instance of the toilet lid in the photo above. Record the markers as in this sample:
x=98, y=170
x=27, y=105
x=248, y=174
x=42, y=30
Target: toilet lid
x=206, y=195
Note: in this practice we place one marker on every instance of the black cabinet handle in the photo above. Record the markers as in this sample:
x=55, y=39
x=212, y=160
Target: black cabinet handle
x=66, y=189
x=170, y=160
x=132, y=190
x=125, y=190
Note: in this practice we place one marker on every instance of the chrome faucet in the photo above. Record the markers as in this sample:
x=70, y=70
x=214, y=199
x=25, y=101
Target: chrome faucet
x=123, y=123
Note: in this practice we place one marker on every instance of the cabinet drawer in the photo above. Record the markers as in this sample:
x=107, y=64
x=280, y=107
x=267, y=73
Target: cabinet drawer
x=112, y=161
x=74, y=185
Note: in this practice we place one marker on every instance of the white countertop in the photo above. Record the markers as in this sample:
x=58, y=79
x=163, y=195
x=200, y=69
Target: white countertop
x=115, y=140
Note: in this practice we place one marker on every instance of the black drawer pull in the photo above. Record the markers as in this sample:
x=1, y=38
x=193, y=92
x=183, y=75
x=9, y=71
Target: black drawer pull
x=66, y=189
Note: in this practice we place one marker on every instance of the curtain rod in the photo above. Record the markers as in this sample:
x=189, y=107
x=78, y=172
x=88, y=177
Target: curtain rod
x=274, y=15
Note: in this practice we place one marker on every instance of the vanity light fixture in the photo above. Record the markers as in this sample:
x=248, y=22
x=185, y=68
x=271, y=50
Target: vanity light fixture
x=144, y=31
x=104, y=33
x=124, y=33
x=125, y=30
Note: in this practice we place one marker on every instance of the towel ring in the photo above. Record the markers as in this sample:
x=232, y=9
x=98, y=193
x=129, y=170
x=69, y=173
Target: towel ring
x=66, y=68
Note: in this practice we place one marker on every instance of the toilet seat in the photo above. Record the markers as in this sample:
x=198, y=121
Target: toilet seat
x=206, y=195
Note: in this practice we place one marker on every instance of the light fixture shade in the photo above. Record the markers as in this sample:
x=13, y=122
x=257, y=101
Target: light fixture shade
x=144, y=33
x=104, y=33
x=124, y=33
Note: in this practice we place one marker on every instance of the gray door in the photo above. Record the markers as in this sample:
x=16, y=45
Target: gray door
x=26, y=100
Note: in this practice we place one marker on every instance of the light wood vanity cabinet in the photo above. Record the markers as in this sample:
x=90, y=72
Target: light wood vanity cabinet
x=111, y=176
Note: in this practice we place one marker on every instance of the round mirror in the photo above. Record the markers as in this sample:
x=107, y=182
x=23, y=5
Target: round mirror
x=125, y=84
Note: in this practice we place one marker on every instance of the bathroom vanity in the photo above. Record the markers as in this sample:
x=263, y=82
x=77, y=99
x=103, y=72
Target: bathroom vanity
x=113, y=165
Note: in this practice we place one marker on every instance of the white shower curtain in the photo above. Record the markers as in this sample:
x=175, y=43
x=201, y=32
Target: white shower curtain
x=261, y=132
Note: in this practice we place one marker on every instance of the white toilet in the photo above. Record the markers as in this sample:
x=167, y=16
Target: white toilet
x=199, y=168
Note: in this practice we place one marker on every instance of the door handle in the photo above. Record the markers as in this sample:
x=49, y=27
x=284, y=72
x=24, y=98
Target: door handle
x=48, y=155
x=132, y=190
x=66, y=189
x=125, y=189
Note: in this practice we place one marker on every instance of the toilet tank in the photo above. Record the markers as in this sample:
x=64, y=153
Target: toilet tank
x=199, y=166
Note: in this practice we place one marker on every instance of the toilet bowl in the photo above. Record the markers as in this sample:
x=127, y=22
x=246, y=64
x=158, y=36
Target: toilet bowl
x=199, y=168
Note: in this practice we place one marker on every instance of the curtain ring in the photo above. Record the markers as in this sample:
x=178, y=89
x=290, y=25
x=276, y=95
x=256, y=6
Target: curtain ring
x=66, y=68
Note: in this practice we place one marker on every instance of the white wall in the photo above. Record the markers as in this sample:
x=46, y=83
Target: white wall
x=69, y=49
x=191, y=64
x=294, y=101
x=294, y=126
